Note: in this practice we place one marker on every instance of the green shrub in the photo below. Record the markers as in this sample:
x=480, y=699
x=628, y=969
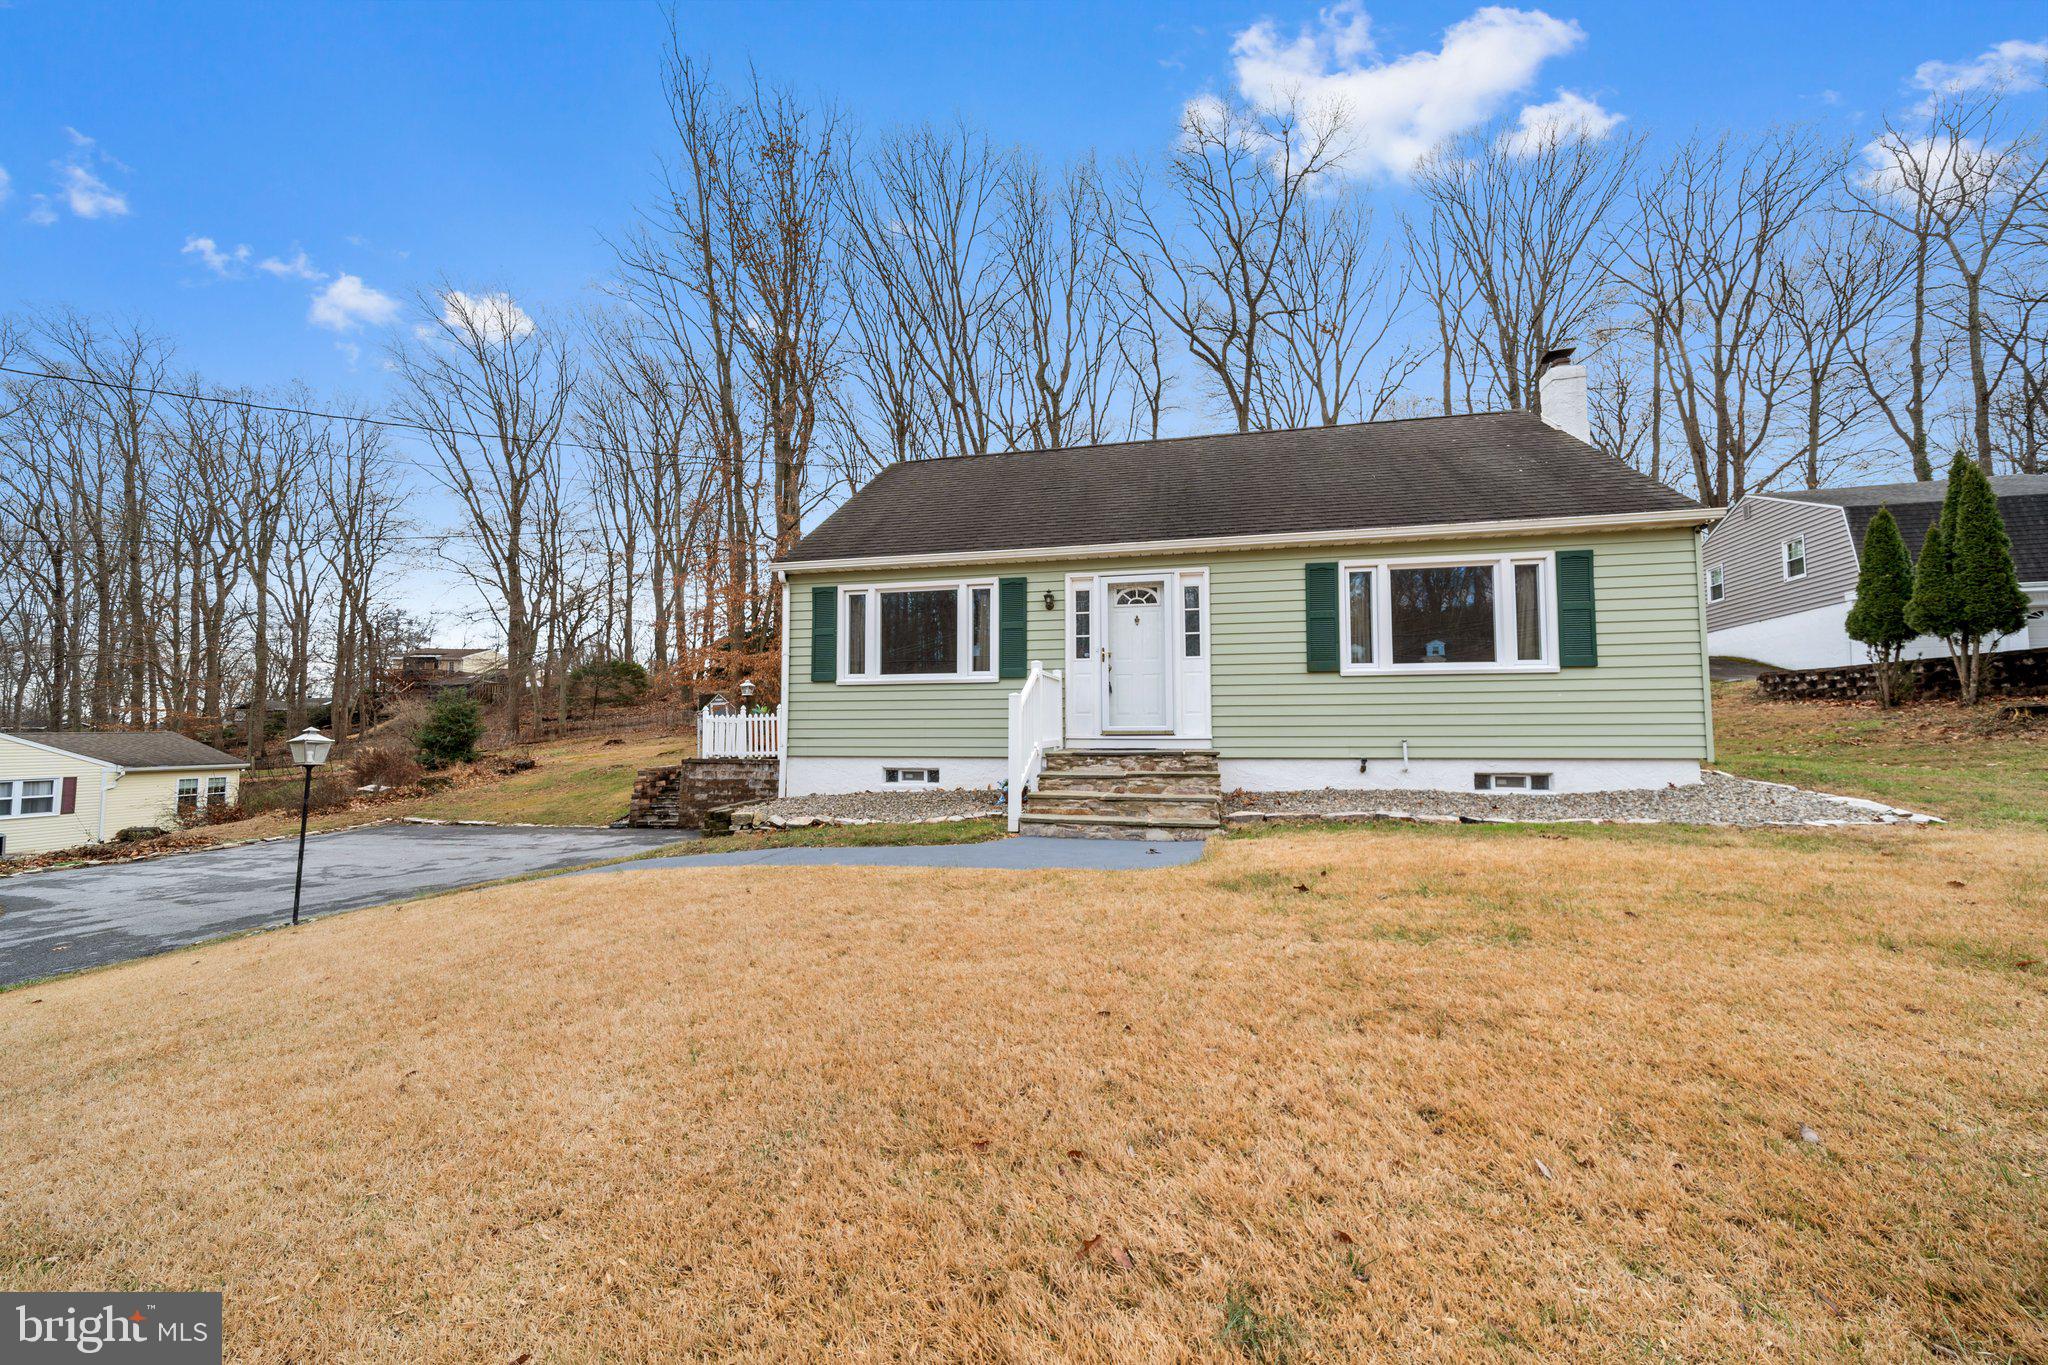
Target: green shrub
x=451, y=732
x=1883, y=588
x=1966, y=589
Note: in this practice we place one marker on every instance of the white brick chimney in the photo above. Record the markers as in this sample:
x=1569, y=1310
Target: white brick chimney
x=1561, y=393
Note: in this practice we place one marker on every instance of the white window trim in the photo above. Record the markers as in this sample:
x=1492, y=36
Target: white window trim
x=1717, y=578
x=16, y=788
x=1785, y=558
x=872, y=627
x=1503, y=614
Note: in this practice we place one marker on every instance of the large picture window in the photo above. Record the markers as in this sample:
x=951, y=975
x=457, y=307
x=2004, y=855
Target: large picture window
x=923, y=632
x=1449, y=616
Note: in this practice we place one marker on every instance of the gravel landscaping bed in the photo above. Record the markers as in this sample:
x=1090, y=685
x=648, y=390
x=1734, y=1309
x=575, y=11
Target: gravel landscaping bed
x=1720, y=799
x=877, y=808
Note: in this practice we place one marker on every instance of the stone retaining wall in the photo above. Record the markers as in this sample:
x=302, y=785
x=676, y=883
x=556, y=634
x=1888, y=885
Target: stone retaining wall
x=2021, y=672
x=679, y=797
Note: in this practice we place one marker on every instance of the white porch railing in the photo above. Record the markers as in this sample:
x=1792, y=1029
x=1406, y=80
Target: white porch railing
x=739, y=736
x=1038, y=724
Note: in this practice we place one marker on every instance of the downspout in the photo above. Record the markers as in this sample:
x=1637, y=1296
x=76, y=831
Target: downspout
x=782, y=699
x=106, y=785
x=1699, y=590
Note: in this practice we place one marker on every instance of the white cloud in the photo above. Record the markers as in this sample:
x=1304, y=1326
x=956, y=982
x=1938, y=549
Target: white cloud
x=299, y=267
x=40, y=213
x=494, y=317
x=91, y=197
x=347, y=303
x=226, y=264
x=6, y=181
x=1401, y=107
x=2015, y=64
x=1570, y=115
x=1898, y=165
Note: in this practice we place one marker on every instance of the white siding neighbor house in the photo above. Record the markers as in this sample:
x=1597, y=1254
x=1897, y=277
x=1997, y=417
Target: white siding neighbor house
x=66, y=789
x=1780, y=569
x=1483, y=601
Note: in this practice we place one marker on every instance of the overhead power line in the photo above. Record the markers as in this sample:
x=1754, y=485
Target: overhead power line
x=250, y=404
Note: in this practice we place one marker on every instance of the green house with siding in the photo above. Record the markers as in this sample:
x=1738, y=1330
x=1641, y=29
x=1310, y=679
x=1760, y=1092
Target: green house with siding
x=1482, y=601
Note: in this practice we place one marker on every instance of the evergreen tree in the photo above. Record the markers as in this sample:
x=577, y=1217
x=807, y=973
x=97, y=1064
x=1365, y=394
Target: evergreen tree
x=1883, y=588
x=451, y=731
x=1966, y=588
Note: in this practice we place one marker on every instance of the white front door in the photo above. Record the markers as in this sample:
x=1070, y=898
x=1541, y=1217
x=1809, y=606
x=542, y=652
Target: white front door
x=1134, y=657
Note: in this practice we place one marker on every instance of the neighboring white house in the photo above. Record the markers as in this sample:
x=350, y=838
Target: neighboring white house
x=1780, y=569
x=64, y=789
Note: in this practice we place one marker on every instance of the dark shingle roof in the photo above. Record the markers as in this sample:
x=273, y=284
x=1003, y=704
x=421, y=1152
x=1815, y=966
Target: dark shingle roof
x=1500, y=466
x=2022, y=503
x=135, y=748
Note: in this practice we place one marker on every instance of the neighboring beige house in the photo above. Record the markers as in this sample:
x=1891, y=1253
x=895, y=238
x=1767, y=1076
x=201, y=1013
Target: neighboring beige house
x=463, y=662
x=474, y=672
x=63, y=789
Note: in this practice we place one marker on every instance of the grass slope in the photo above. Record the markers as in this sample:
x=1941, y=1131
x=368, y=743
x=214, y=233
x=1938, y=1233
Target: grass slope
x=573, y=782
x=1961, y=764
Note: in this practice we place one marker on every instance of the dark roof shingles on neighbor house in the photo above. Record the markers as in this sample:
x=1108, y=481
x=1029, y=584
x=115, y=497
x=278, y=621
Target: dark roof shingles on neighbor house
x=2022, y=503
x=1503, y=466
x=135, y=748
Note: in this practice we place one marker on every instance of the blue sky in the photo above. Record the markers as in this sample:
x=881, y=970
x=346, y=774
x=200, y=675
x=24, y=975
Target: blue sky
x=497, y=144
x=270, y=186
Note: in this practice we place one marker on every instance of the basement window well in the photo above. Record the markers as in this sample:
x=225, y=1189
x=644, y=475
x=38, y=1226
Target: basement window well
x=1511, y=782
x=921, y=777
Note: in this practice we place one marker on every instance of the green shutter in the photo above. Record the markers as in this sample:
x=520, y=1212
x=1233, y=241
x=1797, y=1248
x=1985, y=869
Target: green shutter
x=1011, y=638
x=1320, y=583
x=824, y=635
x=1578, y=637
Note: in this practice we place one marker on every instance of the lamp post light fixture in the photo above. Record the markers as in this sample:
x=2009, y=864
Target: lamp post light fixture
x=309, y=751
x=746, y=694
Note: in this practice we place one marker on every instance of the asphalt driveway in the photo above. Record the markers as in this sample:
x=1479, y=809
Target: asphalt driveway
x=54, y=922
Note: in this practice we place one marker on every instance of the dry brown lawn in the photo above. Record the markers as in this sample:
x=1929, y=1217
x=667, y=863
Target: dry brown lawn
x=1365, y=1094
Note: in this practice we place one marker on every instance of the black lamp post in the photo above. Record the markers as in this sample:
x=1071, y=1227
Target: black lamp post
x=309, y=751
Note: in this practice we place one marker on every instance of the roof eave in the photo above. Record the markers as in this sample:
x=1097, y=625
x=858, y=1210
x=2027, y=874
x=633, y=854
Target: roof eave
x=182, y=767
x=1457, y=530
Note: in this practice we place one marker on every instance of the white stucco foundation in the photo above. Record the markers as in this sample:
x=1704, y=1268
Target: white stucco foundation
x=835, y=776
x=1453, y=775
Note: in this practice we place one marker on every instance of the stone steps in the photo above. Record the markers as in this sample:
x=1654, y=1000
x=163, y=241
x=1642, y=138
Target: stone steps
x=1075, y=781
x=1126, y=794
x=1114, y=827
x=1157, y=806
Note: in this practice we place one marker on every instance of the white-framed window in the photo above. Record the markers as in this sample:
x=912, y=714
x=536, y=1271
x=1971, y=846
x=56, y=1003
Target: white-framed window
x=918, y=632
x=1082, y=623
x=1191, y=620
x=27, y=796
x=188, y=795
x=918, y=777
x=1455, y=615
x=1717, y=583
x=216, y=791
x=1795, y=558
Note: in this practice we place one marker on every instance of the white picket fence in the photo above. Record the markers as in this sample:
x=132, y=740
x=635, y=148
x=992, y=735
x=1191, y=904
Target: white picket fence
x=732, y=736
